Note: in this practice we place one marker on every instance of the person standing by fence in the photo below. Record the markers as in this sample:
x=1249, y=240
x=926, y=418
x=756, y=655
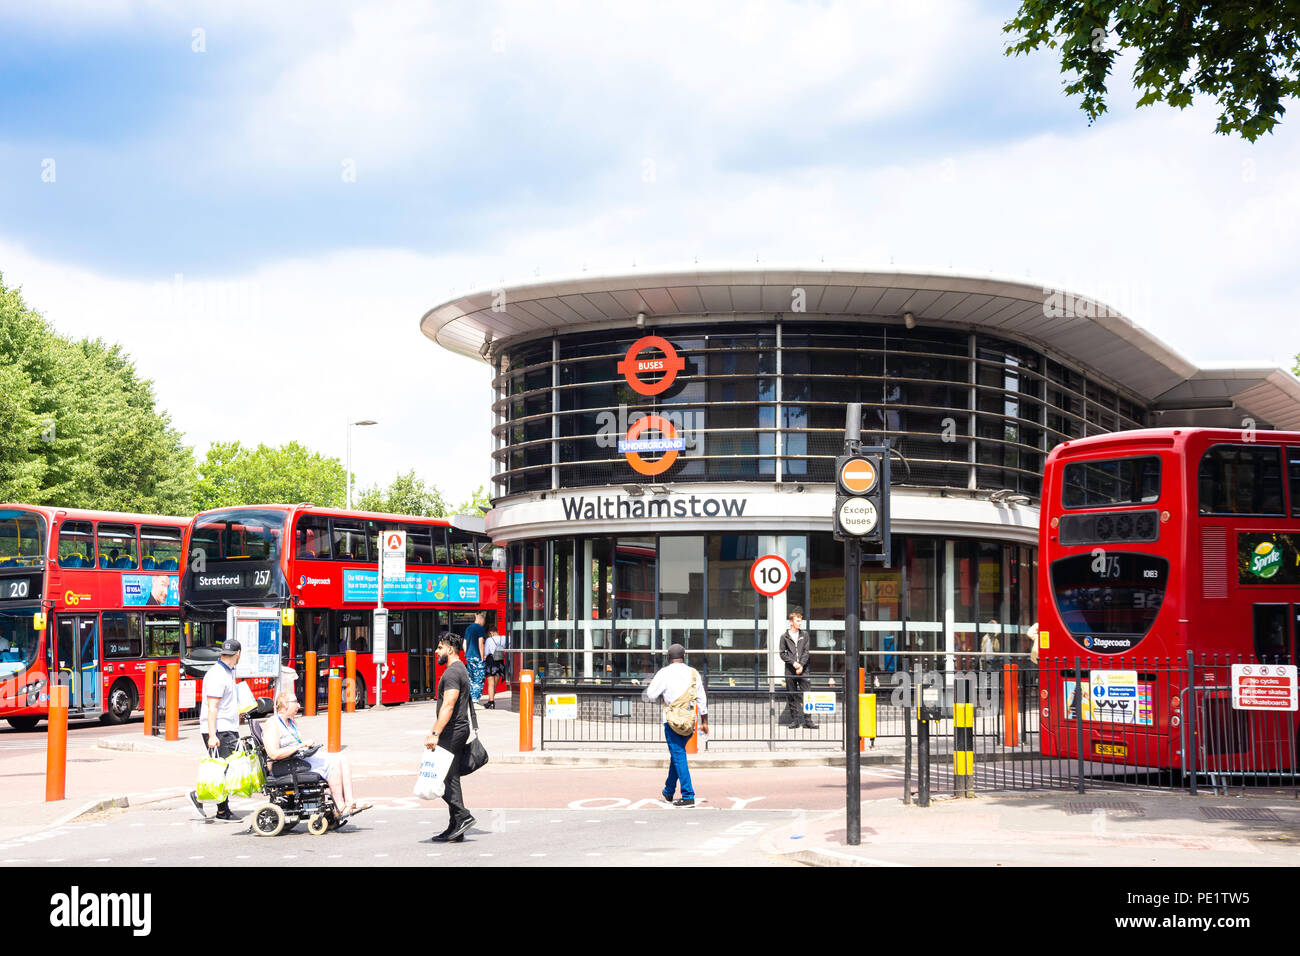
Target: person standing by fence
x=680, y=689
x=795, y=653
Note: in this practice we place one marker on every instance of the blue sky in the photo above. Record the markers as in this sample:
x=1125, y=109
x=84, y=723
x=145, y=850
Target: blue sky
x=495, y=141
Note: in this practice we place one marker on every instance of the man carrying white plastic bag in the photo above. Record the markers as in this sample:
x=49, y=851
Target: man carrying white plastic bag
x=219, y=720
x=447, y=742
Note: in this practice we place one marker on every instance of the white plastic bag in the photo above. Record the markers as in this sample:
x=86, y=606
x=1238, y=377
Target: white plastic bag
x=244, y=697
x=432, y=777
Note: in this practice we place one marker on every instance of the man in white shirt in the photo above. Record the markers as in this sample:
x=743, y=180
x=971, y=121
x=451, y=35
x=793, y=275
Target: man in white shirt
x=671, y=684
x=219, y=714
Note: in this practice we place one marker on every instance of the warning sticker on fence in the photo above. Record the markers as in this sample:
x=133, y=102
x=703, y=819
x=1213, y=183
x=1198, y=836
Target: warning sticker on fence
x=561, y=706
x=188, y=694
x=1110, y=697
x=1263, y=686
x=819, y=702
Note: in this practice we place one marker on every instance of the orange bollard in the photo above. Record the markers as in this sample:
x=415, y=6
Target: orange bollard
x=309, y=691
x=525, y=691
x=862, y=689
x=173, y=701
x=693, y=743
x=56, y=745
x=150, y=676
x=351, y=670
x=336, y=711
x=1010, y=705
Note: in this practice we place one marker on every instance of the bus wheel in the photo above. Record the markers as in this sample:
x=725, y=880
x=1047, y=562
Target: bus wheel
x=121, y=701
x=361, y=693
x=268, y=820
x=24, y=723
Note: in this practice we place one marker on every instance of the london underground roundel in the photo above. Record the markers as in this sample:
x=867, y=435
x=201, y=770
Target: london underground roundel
x=770, y=575
x=670, y=444
x=633, y=367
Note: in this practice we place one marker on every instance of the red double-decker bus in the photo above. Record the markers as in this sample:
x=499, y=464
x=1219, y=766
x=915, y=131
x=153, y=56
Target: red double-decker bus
x=89, y=596
x=322, y=564
x=1167, y=556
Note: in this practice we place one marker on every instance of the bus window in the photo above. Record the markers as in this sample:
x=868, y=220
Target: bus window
x=160, y=549
x=312, y=538
x=440, y=546
x=122, y=636
x=1271, y=639
x=244, y=535
x=77, y=545
x=463, y=551
x=117, y=548
x=419, y=546
x=1240, y=479
x=1293, y=471
x=22, y=538
x=353, y=633
x=349, y=540
x=162, y=635
x=483, y=545
x=1114, y=481
x=18, y=641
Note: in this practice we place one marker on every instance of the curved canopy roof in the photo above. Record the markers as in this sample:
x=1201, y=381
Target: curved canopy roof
x=1081, y=329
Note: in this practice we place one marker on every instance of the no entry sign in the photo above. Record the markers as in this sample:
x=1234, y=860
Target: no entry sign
x=1264, y=686
x=770, y=575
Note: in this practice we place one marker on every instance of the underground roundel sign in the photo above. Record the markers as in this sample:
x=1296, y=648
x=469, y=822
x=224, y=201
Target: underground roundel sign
x=770, y=575
x=637, y=369
x=669, y=444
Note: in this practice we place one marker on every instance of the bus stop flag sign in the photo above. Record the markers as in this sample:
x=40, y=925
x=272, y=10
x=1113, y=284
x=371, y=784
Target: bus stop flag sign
x=394, y=554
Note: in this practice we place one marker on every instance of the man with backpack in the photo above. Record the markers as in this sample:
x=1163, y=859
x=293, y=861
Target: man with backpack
x=679, y=688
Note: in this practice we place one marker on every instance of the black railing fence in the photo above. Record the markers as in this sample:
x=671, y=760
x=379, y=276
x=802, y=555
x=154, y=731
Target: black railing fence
x=1062, y=723
x=160, y=701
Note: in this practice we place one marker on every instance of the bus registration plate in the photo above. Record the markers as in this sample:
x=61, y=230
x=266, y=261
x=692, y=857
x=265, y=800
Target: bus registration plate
x=1100, y=749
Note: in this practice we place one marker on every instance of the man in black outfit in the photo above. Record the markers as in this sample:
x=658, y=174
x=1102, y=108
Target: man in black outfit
x=794, y=651
x=451, y=732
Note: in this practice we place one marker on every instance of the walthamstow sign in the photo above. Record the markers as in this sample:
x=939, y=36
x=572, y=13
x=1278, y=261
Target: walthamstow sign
x=613, y=507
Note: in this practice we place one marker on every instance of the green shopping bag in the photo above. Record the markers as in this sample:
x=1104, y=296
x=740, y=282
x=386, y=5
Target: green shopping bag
x=241, y=774
x=211, y=787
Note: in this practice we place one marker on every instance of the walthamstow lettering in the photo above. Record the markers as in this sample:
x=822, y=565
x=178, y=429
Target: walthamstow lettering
x=595, y=509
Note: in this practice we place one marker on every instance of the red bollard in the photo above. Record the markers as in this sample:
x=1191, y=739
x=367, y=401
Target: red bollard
x=309, y=692
x=525, y=691
x=150, y=676
x=173, y=701
x=350, y=658
x=56, y=747
x=336, y=712
x=862, y=689
x=1010, y=705
x=693, y=743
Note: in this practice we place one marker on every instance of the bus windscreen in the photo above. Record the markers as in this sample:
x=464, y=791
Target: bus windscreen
x=19, y=641
x=252, y=535
x=1109, y=601
x=22, y=538
x=1109, y=482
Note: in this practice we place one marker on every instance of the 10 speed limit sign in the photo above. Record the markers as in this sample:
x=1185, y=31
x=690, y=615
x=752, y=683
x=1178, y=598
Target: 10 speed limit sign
x=770, y=575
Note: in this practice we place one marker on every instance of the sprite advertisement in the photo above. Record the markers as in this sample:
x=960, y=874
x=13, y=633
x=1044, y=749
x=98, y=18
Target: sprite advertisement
x=1267, y=558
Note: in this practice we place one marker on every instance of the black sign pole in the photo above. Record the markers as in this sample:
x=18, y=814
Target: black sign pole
x=852, y=652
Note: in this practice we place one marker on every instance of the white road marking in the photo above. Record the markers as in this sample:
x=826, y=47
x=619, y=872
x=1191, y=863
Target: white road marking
x=104, y=859
x=148, y=859
x=336, y=856
x=379, y=855
x=537, y=854
x=243, y=856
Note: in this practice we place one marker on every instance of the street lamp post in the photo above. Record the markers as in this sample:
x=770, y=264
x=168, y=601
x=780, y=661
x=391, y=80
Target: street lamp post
x=365, y=421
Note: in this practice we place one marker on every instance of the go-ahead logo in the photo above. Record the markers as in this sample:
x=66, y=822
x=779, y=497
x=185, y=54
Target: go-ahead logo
x=1267, y=560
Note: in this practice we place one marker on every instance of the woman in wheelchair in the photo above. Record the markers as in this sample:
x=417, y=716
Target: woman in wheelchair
x=283, y=741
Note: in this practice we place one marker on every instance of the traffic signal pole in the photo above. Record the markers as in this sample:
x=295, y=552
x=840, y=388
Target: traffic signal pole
x=852, y=653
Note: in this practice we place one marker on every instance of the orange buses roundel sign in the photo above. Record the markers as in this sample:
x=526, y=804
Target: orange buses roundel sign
x=858, y=476
x=633, y=367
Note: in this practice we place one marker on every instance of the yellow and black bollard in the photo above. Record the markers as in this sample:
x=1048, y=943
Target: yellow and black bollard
x=963, y=744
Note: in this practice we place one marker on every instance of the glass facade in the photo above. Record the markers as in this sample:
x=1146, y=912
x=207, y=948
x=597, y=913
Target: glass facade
x=608, y=607
x=764, y=400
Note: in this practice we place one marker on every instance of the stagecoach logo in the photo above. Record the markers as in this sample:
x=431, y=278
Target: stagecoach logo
x=1267, y=560
x=304, y=581
x=72, y=598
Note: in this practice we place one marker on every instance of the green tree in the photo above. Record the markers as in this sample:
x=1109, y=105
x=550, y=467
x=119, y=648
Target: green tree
x=477, y=504
x=78, y=427
x=404, y=495
x=1244, y=55
x=231, y=474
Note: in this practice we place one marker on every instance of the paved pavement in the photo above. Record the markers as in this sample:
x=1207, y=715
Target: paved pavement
x=126, y=797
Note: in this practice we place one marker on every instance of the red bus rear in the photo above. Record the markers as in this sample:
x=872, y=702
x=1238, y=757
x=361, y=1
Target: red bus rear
x=90, y=596
x=323, y=564
x=1167, y=556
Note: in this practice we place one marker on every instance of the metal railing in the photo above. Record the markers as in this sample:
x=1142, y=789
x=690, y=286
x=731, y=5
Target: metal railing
x=160, y=703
